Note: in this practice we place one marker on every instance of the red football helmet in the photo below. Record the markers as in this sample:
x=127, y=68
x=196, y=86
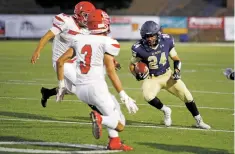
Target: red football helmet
x=81, y=11
x=98, y=22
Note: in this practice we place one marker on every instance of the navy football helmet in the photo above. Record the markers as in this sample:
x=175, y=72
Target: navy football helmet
x=150, y=32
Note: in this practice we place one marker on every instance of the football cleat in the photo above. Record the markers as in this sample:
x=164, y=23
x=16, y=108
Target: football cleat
x=116, y=144
x=201, y=124
x=167, y=116
x=96, y=120
x=44, y=97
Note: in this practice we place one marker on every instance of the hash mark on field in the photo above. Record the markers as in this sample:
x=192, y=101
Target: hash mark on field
x=131, y=126
x=180, y=106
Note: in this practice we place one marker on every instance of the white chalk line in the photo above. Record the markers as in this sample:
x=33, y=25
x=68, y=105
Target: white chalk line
x=127, y=88
x=130, y=126
x=65, y=100
x=93, y=148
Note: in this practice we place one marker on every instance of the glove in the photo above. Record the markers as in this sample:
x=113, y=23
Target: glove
x=141, y=76
x=61, y=91
x=176, y=75
x=227, y=72
x=129, y=102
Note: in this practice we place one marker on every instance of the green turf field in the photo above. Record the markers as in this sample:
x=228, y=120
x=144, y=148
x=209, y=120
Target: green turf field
x=23, y=119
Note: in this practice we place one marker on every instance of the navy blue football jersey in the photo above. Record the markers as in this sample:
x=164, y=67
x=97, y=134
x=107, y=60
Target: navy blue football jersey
x=156, y=59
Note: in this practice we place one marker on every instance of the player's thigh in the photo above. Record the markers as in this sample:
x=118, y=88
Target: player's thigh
x=82, y=93
x=101, y=97
x=151, y=87
x=179, y=89
x=70, y=72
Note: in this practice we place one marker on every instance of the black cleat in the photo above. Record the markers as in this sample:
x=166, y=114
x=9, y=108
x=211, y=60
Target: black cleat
x=44, y=96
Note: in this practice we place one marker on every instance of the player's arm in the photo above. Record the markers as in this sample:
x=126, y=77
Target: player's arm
x=60, y=63
x=59, y=25
x=134, y=60
x=43, y=41
x=176, y=62
x=111, y=49
x=111, y=72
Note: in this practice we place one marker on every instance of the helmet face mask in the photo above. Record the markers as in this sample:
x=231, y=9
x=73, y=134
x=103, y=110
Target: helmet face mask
x=150, y=32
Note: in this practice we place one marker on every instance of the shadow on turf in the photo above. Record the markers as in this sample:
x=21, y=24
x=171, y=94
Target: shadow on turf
x=17, y=139
x=131, y=122
x=128, y=122
x=25, y=115
x=184, y=148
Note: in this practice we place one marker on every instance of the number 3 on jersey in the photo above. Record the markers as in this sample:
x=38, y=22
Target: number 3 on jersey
x=85, y=67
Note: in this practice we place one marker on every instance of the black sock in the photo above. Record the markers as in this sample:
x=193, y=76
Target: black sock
x=156, y=103
x=231, y=76
x=95, y=108
x=192, y=108
x=51, y=92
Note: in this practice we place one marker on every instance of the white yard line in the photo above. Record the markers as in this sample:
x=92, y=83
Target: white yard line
x=131, y=126
x=202, y=44
x=91, y=149
x=127, y=88
x=179, y=106
x=55, y=151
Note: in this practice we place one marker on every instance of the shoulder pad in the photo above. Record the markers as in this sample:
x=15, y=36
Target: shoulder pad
x=136, y=46
x=167, y=37
x=112, y=46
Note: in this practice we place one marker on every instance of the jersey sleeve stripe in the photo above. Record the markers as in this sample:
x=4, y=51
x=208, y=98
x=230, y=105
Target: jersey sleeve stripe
x=57, y=27
x=59, y=19
x=116, y=45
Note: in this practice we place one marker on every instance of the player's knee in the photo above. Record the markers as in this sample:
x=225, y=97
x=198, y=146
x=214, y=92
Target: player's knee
x=120, y=127
x=122, y=119
x=148, y=97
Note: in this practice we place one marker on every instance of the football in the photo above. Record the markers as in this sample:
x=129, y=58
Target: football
x=141, y=67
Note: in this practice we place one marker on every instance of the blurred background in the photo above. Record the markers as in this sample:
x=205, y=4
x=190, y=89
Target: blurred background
x=187, y=20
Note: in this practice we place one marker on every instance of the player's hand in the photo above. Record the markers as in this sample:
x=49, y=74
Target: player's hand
x=176, y=75
x=117, y=65
x=61, y=91
x=35, y=57
x=141, y=76
x=129, y=102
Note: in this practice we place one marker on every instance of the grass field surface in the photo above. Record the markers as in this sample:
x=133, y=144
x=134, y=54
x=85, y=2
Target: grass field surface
x=65, y=127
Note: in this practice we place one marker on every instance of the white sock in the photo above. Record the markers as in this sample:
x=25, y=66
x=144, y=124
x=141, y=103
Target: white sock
x=110, y=122
x=112, y=133
x=198, y=117
x=164, y=107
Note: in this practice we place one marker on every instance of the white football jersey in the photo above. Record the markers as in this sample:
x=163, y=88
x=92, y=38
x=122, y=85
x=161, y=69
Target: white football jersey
x=64, y=26
x=90, y=50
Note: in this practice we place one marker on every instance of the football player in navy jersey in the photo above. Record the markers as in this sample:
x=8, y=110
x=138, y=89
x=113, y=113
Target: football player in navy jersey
x=154, y=49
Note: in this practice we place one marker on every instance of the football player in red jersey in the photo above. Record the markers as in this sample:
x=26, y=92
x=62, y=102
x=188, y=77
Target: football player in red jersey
x=64, y=27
